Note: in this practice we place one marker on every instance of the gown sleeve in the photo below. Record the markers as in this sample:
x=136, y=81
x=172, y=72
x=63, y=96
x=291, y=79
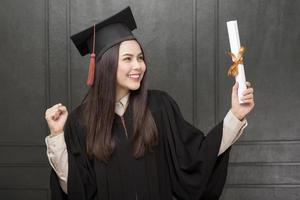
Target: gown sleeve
x=196, y=170
x=81, y=184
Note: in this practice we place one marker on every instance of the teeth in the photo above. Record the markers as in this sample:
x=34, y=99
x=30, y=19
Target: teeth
x=134, y=76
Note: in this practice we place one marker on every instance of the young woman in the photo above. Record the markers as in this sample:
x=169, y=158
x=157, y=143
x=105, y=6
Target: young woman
x=127, y=142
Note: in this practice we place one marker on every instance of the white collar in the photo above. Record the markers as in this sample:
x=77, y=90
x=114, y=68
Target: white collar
x=122, y=104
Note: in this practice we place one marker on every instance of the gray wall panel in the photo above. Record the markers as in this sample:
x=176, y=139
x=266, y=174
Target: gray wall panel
x=266, y=152
x=23, y=80
x=58, y=52
x=22, y=72
x=15, y=194
x=24, y=177
x=206, y=64
x=262, y=193
x=264, y=174
x=23, y=154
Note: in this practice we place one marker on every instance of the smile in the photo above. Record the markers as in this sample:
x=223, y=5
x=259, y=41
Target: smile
x=135, y=76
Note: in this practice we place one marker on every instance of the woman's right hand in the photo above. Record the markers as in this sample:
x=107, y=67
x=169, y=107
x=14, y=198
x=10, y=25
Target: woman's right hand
x=56, y=117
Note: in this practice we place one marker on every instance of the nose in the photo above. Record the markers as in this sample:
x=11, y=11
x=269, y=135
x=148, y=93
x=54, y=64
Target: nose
x=136, y=65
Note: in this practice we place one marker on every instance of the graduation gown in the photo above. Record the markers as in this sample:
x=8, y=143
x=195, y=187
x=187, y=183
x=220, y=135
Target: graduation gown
x=183, y=165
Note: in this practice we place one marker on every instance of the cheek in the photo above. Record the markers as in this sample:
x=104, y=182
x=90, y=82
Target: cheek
x=144, y=67
x=122, y=72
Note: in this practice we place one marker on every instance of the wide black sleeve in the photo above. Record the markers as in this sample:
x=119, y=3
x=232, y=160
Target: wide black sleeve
x=81, y=184
x=196, y=170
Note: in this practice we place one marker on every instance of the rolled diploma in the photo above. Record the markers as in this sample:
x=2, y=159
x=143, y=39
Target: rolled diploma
x=234, y=40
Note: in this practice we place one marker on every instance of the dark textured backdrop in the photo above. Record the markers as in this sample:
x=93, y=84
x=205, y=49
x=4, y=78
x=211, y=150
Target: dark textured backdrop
x=185, y=42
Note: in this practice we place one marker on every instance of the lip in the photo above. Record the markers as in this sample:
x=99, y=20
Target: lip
x=135, y=78
x=135, y=74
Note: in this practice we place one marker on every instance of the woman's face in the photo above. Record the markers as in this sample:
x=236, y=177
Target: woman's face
x=131, y=66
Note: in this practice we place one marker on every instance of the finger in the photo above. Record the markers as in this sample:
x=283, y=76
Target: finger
x=54, y=118
x=56, y=105
x=248, y=91
x=52, y=111
x=49, y=113
x=52, y=108
x=248, y=84
x=53, y=114
x=235, y=88
x=63, y=109
x=56, y=115
x=248, y=101
x=247, y=97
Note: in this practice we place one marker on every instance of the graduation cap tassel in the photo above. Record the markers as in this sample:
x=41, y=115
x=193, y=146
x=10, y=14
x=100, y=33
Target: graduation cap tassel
x=90, y=79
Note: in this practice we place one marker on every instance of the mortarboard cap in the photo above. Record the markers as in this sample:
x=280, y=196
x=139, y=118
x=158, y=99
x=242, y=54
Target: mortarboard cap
x=97, y=39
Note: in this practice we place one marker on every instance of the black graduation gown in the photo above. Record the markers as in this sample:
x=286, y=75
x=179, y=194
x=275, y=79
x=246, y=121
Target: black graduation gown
x=185, y=164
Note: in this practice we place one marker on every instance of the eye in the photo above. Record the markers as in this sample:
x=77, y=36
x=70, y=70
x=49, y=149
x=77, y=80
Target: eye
x=127, y=59
x=141, y=57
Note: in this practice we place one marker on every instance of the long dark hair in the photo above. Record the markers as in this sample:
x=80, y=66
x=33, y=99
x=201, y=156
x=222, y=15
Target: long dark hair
x=98, y=108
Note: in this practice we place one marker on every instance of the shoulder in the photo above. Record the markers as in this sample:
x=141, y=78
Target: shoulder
x=158, y=99
x=74, y=128
x=154, y=94
x=160, y=95
x=73, y=113
x=75, y=116
x=74, y=132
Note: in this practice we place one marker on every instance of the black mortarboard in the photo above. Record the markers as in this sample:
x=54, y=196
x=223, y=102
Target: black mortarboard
x=97, y=39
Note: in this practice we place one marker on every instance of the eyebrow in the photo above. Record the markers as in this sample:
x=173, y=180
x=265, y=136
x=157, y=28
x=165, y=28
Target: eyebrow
x=129, y=54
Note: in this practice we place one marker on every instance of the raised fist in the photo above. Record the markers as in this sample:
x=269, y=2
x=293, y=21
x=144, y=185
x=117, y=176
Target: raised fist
x=56, y=117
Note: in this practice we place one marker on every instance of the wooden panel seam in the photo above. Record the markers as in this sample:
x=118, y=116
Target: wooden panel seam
x=216, y=62
x=24, y=164
x=195, y=88
x=47, y=61
x=266, y=142
x=234, y=164
x=262, y=186
x=18, y=144
x=24, y=188
x=68, y=24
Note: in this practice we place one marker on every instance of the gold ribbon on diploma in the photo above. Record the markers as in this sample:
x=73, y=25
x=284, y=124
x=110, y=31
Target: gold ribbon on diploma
x=236, y=60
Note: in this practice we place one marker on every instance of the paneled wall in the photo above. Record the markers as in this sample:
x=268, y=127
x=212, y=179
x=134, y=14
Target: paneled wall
x=185, y=43
x=24, y=172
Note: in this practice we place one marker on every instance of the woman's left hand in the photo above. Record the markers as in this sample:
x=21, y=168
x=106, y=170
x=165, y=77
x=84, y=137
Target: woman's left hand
x=241, y=110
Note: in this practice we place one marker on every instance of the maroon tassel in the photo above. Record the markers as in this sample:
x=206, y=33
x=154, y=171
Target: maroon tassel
x=90, y=80
x=91, y=74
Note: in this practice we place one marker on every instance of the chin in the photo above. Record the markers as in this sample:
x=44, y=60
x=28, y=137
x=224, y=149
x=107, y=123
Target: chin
x=134, y=87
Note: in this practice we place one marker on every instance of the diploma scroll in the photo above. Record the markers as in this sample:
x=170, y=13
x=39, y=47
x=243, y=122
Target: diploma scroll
x=234, y=40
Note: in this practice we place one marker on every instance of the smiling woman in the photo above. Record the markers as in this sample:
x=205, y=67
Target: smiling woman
x=124, y=62
x=126, y=142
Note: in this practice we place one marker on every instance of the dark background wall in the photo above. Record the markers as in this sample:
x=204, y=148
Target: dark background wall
x=185, y=42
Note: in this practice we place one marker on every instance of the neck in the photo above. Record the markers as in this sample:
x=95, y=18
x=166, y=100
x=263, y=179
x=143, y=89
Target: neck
x=120, y=93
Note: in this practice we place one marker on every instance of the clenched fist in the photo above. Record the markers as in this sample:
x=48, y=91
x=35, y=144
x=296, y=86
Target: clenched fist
x=56, y=117
x=241, y=110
